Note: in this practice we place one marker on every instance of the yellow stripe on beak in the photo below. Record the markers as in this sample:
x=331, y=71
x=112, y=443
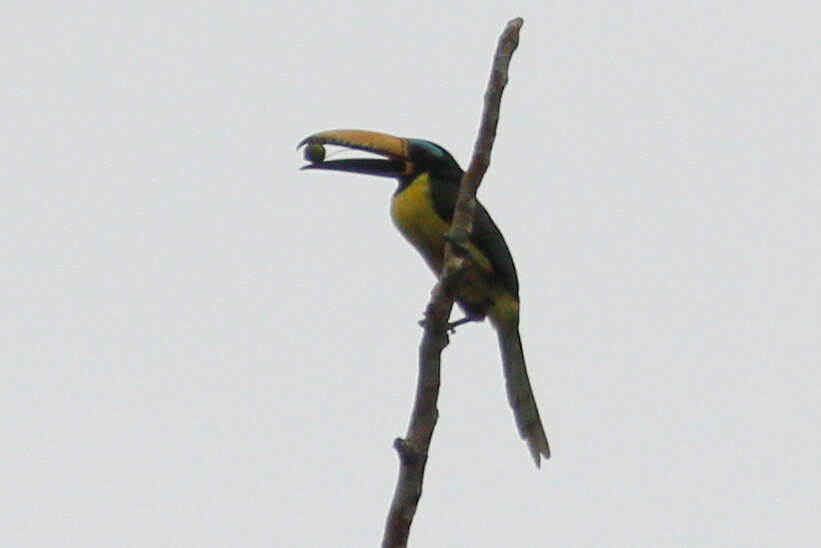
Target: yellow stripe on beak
x=370, y=141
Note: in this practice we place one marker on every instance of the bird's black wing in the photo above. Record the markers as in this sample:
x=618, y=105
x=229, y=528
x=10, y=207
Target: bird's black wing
x=486, y=235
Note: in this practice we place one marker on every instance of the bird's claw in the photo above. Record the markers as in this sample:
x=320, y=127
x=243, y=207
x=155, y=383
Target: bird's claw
x=451, y=326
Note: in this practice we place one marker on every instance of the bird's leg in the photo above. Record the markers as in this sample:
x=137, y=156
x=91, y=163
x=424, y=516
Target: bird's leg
x=467, y=319
x=453, y=325
x=459, y=241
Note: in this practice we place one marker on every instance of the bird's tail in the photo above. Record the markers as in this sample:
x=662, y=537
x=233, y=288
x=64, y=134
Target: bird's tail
x=519, y=392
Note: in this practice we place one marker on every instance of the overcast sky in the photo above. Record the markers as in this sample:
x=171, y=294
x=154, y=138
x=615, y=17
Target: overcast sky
x=202, y=346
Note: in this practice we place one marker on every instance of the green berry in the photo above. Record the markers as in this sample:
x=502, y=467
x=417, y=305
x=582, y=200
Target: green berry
x=315, y=153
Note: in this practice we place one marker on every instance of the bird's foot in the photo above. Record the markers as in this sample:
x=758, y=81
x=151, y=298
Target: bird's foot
x=451, y=327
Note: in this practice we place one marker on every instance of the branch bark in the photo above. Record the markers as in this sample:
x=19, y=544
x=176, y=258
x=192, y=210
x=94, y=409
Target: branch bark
x=413, y=449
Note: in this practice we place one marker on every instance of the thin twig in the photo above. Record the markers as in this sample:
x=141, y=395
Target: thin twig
x=413, y=449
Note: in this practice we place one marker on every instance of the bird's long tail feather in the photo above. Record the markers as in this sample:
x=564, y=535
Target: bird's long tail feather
x=520, y=394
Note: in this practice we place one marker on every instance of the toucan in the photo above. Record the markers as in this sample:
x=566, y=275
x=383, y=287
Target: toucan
x=422, y=209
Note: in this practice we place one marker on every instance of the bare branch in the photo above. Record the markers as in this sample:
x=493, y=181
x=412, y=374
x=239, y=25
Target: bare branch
x=413, y=449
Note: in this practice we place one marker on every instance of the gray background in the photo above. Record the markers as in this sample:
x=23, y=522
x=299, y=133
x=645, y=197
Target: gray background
x=201, y=346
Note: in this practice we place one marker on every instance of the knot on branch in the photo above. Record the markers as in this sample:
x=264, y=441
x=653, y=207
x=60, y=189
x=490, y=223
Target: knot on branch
x=458, y=237
x=457, y=260
x=408, y=454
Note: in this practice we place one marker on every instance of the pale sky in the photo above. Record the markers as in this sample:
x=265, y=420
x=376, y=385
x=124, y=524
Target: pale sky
x=202, y=346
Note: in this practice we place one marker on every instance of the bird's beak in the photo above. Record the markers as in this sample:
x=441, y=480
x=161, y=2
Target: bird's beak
x=395, y=150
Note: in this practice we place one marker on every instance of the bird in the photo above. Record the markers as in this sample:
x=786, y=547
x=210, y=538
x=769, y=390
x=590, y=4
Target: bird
x=422, y=209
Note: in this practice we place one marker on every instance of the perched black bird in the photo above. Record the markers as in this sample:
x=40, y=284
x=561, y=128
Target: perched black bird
x=422, y=209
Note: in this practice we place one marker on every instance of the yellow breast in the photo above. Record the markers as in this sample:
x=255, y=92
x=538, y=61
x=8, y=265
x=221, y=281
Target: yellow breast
x=413, y=214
